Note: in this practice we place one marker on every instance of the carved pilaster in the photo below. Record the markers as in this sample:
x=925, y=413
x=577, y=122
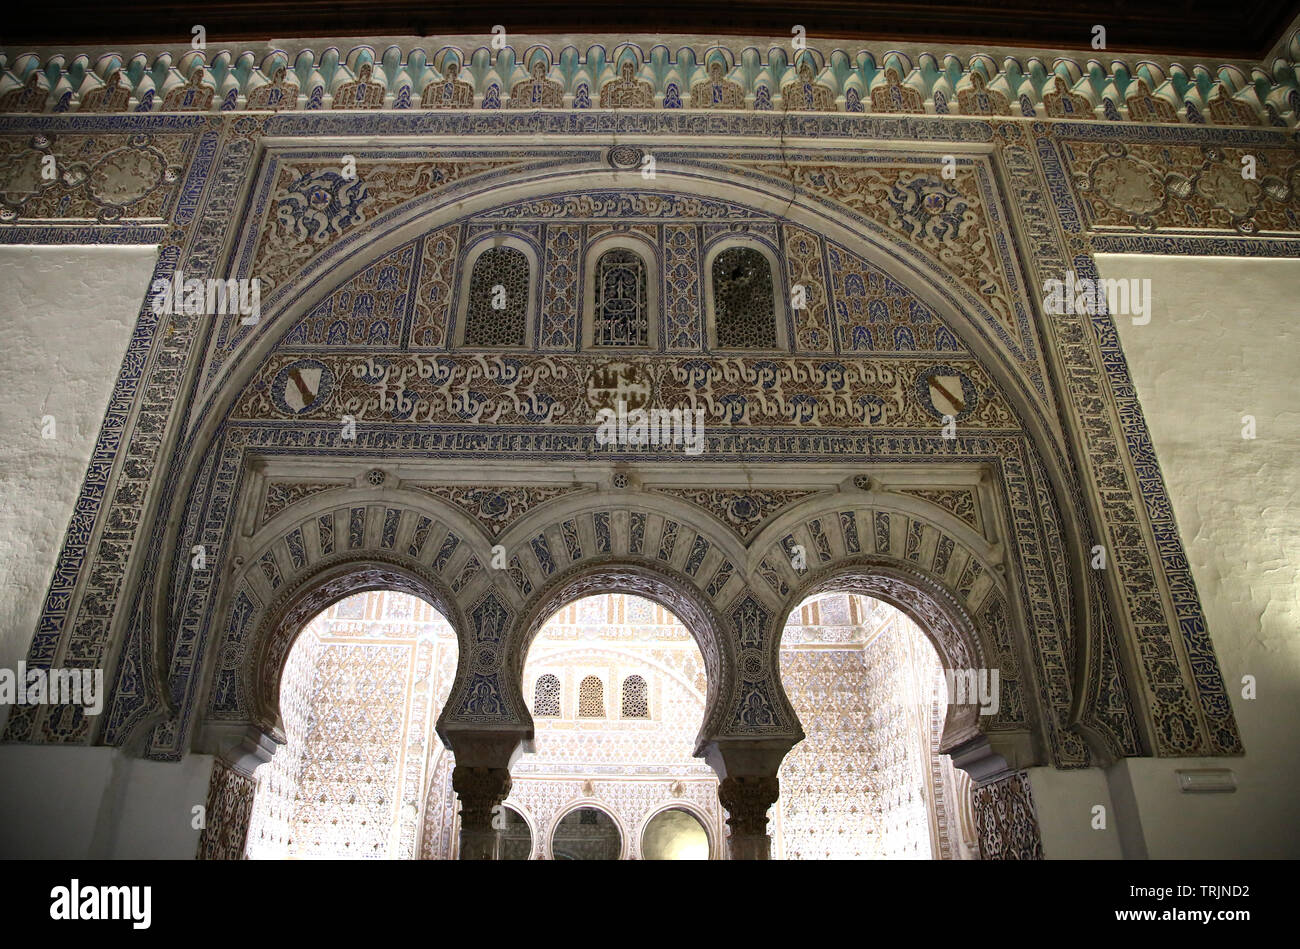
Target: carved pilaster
x=747, y=800
x=227, y=814
x=1006, y=819
x=479, y=790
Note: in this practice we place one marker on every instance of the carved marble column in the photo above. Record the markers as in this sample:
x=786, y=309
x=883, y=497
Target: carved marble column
x=480, y=790
x=747, y=769
x=747, y=800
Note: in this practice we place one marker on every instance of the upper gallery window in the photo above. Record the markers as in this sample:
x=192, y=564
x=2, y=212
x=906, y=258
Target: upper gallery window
x=546, y=697
x=636, y=698
x=498, y=299
x=744, y=305
x=621, y=317
x=591, y=698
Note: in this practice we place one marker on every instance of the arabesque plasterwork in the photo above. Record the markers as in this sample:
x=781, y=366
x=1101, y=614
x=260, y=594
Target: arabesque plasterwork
x=918, y=283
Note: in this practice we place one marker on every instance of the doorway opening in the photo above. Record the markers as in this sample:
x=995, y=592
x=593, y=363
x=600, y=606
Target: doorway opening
x=363, y=685
x=617, y=687
x=867, y=781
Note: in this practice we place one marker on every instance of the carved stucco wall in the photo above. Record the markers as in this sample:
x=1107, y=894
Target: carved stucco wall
x=583, y=72
x=1166, y=369
x=1069, y=197
x=860, y=673
x=871, y=312
x=971, y=254
x=866, y=781
x=362, y=686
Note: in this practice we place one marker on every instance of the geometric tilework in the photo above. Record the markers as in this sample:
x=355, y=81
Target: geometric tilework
x=778, y=79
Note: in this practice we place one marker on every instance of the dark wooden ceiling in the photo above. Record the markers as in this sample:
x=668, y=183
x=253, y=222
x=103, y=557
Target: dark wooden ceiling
x=1245, y=29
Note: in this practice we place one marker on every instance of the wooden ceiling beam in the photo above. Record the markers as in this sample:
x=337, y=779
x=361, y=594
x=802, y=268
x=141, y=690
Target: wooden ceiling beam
x=1176, y=27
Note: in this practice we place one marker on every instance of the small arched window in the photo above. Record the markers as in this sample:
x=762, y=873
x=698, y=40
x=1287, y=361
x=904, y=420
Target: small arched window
x=636, y=698
x=621, y=312
x=591, y=698
x=498, y=299
x=744, y=305
x=546, y=697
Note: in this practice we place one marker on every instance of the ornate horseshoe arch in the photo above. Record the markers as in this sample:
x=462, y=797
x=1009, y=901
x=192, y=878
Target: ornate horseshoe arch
x=960, y=644
x=639, y=576
x=239, y=371
x=915, y=213
x=950, y=579
x=311, y=555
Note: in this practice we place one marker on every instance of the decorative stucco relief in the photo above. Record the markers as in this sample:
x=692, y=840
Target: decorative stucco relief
x=1123, y=484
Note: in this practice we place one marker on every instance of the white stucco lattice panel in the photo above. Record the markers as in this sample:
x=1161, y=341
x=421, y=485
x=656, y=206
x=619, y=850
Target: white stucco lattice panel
x=856, y=787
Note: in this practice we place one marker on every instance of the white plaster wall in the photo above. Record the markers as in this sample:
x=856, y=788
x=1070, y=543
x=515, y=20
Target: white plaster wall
x=1222, y=343
x=75, y=803
x=1064, y=802
x=50, y=798
x=152, y=818
x=69, y=314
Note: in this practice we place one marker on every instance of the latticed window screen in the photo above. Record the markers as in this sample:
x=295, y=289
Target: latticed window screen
x=743, y=304
x=546, y=697
x=498, y=299
x=621, y=317
x=591, y=698
x=636, y=698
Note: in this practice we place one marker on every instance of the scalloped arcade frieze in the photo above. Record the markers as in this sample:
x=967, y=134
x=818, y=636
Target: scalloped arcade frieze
x=496, y=507
x=745, y=512
x=681, y=73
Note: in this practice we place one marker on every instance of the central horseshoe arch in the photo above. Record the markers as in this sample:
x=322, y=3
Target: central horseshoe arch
x=644, y=578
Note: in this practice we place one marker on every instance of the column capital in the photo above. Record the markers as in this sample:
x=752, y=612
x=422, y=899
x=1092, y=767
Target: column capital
x=747, y=768
x=747, y=800
x=480, y=791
